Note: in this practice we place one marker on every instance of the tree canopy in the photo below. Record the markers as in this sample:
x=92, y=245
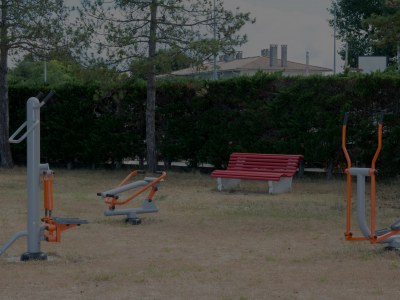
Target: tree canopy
x=26, y=26
x=350, y=16
x=125, y=31
x=386, y=27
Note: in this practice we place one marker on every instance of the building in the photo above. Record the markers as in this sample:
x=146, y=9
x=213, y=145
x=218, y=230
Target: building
x=234, y=65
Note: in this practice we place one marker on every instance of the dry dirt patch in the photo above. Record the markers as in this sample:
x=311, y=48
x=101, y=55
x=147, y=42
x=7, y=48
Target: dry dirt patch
x=203, y=244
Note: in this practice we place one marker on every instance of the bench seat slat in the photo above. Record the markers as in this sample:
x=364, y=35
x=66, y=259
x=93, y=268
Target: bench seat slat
x=261, y=167
x=262, y=163
x=247, y=175
x=269, y=172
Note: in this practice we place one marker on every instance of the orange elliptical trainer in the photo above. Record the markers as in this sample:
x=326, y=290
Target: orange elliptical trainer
x=388, y=235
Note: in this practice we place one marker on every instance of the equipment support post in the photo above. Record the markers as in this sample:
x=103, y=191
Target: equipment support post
x=33, y=182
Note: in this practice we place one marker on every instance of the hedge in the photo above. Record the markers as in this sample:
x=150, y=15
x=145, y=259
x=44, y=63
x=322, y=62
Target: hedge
x=204, y=121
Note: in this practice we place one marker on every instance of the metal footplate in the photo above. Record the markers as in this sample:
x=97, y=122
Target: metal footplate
x=53, y=226
x=393, y=242
x=69, y=221
x=131, y=213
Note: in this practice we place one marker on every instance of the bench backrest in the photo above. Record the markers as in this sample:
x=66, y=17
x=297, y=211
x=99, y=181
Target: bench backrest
x=273, y=163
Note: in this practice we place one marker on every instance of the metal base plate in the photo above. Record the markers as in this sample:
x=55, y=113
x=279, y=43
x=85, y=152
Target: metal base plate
x=133, y=221
x=28, y=256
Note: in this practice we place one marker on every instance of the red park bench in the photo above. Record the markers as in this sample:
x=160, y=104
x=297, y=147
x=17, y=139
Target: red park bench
x=277, y=169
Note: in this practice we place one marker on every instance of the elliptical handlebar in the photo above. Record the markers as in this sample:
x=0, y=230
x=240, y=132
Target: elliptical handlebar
x=346, y=118
x=381, y=118
x=344, y=126
x=47, y=98
x=378, y=149
x=13, y=138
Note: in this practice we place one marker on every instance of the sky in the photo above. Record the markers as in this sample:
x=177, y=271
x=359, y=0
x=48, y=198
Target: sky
x=300, y=24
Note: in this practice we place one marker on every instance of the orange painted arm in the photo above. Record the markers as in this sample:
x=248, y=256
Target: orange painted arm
x=48, y=192
x=114, y=201
x=130, y=175
x=344, y=127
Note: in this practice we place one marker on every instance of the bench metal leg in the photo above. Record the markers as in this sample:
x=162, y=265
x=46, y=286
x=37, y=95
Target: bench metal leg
x=284, y=185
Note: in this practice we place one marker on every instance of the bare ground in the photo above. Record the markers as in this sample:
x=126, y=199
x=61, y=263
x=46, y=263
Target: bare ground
x=203, y=244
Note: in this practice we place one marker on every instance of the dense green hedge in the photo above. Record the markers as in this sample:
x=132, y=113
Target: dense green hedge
x=204, y=121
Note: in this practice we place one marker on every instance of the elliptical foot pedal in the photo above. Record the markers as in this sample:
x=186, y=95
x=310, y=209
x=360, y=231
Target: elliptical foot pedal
x=133, y=221
x=391, y=248
x=395, y=225
x=382, y=231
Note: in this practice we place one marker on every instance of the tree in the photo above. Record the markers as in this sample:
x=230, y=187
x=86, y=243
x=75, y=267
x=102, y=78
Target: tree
x=386, y=28
x=351, y=28
x=127, y=30
x=32, y=72
x=26, y=27
x=61, y=68
x=167, y=61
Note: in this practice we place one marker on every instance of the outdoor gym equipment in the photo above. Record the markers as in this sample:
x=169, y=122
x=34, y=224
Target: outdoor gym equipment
x=48, y=228
x=386, y=235
x=112, y=197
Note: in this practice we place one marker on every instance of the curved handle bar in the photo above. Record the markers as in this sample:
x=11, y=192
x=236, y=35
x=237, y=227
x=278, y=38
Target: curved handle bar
x=381, y=118
x=344, y=126
x=114, y=201
x=47, y=98
x=346, y=117
x=378, y=150
x=12, y=138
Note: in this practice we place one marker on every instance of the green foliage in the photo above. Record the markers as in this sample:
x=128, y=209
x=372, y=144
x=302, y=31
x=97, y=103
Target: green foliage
x=166, y=61
x=183, y=27
x=205, y=121
x=32, y=73
x=386, y=26
x=352, y=28
x=40, y=28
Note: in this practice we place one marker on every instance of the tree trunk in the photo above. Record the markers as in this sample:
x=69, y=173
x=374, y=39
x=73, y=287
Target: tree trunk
x=151, y=93
x=398, y=55
x=5, y=151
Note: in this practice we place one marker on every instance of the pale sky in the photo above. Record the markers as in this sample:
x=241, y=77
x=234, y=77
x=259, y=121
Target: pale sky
x=300, y=24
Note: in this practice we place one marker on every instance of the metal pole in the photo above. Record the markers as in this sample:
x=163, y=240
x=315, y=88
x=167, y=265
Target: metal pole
x=214, y=76
x=334, y=40
x=398, y=55
x=33, y=170
x=45, y=72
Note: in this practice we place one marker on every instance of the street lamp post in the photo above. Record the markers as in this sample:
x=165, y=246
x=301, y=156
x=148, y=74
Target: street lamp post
x=214, y=75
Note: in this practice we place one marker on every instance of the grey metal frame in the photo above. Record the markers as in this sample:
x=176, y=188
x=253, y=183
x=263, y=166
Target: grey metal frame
x=131, y=213
x=34, y=230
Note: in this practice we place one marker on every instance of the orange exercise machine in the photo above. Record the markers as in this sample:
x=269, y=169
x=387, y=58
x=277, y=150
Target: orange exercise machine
x=53, y=226
x=112, y=197
x=386, y=235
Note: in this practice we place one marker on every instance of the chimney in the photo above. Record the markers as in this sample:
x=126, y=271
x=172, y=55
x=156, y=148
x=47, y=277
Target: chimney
x=283, y=56
x=273, y=55
x=239, y=55
x=264, y=52
x=307, y=63
x=229, y=57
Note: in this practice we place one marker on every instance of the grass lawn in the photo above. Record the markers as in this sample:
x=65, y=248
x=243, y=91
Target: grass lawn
x=202, y=244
